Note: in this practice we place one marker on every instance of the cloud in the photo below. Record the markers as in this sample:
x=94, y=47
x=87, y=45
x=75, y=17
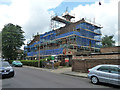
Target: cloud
x=105, y=14
x=5, y=2
x=32, y=15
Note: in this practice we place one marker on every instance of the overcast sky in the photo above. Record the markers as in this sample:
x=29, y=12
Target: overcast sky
x=34, y=15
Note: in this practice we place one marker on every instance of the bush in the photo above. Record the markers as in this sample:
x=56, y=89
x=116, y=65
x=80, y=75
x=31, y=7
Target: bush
x=56, y=65
x=35, y=63
x=49, y=58
x=10, y=61
x=30, y=62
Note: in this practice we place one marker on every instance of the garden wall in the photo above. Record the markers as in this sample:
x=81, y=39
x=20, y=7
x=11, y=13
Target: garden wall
x=79, y=65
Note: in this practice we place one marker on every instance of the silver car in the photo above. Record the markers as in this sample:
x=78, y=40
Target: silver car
x=105, y=73
x=6, y=70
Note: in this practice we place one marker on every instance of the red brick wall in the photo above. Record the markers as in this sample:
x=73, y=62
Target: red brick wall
x=84, y=65
x=113, y=56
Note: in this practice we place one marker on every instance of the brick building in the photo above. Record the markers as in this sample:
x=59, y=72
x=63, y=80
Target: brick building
x=74, y=37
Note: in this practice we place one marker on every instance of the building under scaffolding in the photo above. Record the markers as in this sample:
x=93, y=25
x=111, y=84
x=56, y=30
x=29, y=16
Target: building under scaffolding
x=74, y=38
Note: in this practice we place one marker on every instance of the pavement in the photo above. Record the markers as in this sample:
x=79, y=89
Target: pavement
x=63, y=70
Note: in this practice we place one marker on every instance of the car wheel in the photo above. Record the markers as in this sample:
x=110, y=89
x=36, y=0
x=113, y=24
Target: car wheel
x=94, y=80
x=13, y=74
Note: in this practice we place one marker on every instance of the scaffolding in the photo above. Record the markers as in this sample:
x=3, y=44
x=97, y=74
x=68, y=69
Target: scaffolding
x=83, y=36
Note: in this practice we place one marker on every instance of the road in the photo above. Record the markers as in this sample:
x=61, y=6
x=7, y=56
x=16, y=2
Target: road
x=33, y=78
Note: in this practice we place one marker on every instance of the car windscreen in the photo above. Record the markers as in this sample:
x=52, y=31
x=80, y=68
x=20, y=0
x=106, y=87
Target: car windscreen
x=5, y=64
x=17, y=61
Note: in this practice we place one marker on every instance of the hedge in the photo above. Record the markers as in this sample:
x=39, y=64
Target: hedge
x=35, y=63
x=30, y=62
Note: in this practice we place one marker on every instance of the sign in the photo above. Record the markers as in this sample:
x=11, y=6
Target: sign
x=52, y=61
x=66, y=59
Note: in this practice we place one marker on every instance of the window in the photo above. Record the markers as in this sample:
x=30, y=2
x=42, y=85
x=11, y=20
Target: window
x=5, y=64
x=103, y=68
x=115, y=70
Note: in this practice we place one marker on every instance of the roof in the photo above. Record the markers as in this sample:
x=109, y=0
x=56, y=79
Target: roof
x=60, y=19
x=109, y=65
x=89, y=22
x=68, y=14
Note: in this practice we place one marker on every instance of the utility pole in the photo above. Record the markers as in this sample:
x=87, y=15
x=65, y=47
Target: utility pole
x=39, y=54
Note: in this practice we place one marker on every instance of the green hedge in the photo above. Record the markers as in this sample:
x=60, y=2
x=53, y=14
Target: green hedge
x=35, y=63
x=30, y=62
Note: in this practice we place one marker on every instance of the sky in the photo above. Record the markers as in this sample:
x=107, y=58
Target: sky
x=34, y=15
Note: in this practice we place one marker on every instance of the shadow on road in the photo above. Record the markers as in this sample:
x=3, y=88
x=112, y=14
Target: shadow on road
x=110, y=85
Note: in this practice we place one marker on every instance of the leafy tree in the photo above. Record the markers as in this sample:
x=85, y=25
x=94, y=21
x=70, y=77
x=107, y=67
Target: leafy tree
x=107, y=41
x=12, y=40
x=20, y=55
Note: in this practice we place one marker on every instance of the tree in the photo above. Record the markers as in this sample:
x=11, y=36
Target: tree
x=21, y=55
x=107, y=41
x=12, y=40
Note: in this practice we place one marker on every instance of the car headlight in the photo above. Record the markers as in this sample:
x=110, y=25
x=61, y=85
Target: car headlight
x=11, y=70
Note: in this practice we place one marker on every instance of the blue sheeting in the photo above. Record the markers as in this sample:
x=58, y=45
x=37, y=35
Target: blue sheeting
x=51, y=35
x=47, y=52
x=87, y=42
x=67, y=34
x=86, y=26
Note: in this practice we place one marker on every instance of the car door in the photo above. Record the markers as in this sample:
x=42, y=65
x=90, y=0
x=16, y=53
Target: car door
x=103, y=74
x=114, y=75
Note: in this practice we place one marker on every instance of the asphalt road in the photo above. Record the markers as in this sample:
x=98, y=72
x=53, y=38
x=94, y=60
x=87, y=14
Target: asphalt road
x=33, y=78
